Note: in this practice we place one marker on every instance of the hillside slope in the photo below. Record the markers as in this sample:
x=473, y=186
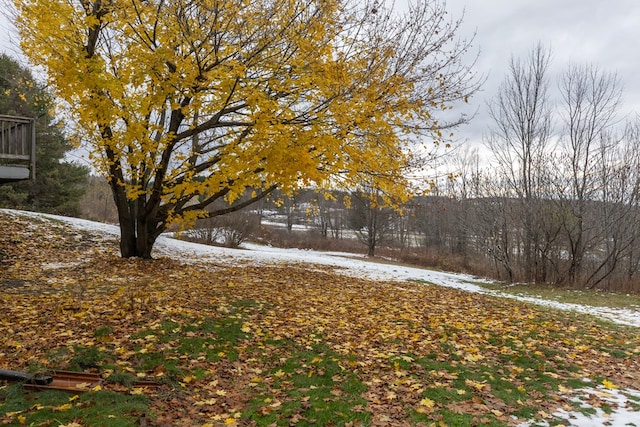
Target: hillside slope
x=267, y=338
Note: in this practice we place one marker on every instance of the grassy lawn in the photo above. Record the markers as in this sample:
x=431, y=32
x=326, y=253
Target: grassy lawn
x=280, y=345
x=595, y=298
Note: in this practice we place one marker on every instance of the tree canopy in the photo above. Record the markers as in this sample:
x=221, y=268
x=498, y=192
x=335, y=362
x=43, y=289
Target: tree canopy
x=187, y=102
x=59, y=185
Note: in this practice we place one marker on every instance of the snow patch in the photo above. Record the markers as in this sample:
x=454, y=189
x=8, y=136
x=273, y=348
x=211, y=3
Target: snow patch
x=620, y=414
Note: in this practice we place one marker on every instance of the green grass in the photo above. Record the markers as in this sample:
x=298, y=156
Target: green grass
x=87, y=358
x=593, y=298
x=309, y=386
x=213, y=338
x=53, y=408
x=210, y=339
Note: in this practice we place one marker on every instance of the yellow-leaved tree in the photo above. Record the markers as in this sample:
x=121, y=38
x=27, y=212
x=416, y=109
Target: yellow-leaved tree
x=185, y=102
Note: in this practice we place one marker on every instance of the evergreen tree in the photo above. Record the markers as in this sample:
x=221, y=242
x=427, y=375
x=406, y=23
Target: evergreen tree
x=59, y=185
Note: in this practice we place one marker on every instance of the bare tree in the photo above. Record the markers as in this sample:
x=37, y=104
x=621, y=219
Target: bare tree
x=369, y=217
x=590, y=101
x=465, y=186
x=613, y=247
x=630, y=188
x=521, y=136
x=226, y=230
x=328, y=213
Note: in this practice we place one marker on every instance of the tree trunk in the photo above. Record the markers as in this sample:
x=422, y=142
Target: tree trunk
x=371, y=244
x=127, y=239
x=138, y=232
x=137, y=237
x=372, y=229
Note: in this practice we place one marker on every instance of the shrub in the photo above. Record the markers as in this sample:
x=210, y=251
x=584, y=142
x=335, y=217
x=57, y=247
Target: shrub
x=227, y=230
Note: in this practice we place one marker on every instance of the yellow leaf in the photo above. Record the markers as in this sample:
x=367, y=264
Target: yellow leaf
x=475, y=384
x=22, y=419
x=473, y=357
x=608, y=384
x=427, y=402
x=64, y=407
x=205, y=402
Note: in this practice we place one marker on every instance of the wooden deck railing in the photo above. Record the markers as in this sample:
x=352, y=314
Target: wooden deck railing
x=17, y=142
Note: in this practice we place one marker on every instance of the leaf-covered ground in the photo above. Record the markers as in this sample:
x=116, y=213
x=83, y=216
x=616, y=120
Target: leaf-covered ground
x=283, y=345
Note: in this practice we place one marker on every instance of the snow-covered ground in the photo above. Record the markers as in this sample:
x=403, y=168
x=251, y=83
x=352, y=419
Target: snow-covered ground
x=622, y=416
x=359, y=266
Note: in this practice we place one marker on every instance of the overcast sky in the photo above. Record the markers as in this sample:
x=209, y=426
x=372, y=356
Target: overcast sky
x=606, y=33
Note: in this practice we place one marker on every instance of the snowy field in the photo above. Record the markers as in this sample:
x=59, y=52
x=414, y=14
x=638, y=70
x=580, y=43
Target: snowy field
x=359, y=266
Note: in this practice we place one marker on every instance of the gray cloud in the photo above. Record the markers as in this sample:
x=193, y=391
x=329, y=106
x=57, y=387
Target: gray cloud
x=577, y=32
